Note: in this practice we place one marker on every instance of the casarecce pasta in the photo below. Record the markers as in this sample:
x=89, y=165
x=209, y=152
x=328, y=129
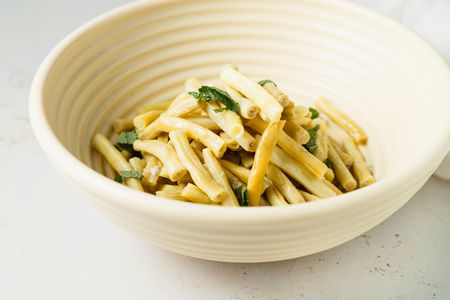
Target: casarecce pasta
x=239, y=142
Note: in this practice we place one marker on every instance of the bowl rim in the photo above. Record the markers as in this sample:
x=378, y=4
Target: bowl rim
x=147, y=203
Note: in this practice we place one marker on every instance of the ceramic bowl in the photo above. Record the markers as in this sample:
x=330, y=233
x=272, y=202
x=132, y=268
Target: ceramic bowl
x=384, y=76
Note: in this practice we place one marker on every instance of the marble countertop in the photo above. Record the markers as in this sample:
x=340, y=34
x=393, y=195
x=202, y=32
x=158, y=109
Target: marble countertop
x=53, y=245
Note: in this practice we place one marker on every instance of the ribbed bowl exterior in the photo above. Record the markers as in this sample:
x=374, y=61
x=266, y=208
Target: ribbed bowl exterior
x=385, y=77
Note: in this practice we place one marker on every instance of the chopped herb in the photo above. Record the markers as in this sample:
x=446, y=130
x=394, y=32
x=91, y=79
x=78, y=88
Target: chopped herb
x=263, y=82
x=314, y=112
x=328, y=163
x=311, y=144
x=126, y=139
x=127, y=174
x=241, y=195
x=118, y=178
x=208, y=93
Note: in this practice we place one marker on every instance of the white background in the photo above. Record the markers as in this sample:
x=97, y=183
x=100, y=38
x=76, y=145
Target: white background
x=53, y=245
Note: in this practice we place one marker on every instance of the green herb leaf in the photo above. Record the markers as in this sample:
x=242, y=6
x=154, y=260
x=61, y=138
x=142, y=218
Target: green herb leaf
x=127, y=174
x=311, y=144
x=208, y=93
x=118, y=178
x=126, y=139
x=263, y=82
x=328, y=163
x=241, y=195
x=314, y=112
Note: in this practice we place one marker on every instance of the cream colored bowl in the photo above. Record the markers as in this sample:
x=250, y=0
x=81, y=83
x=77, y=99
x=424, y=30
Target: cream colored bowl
x=384, y=76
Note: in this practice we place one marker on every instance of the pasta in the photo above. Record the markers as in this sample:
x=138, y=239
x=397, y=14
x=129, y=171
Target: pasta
x=262, y=157
x=239, y=142
x=341, y=119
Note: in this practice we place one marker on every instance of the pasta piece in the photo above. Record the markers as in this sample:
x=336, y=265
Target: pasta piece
x=308, y=197
x=120, y=125
x=329, y=175
x=343, y=175
x=214, y=167
x=302, y=175
x=207, y=137
x=164, y=173
x=246, y=159
x=151, y=170
x=321, y=151
x=141, y=121
x=274, y=197
x=284, y=185
x=296, y=132
x=182, y=105
x=169, y=187
x=241, y=173
x=262, y=157
x=235, y=182
x=136, y=164
x=166, y=154
x=227, y=120
x=344, y=121
x=247, y=109
x=231, y=144
x=359, y=167
x=115, y=159
x=204, y=121
x=292, y=148
x=108, y=170
x=347, y=159
x=302, y=115
x=173, y=195
x=332, y=187
x=191, y=162
x=269, y=107
x=156, y=106
x=276, y=93
x=194, y=194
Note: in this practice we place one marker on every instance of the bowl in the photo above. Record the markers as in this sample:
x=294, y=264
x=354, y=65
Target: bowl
x=384, y=76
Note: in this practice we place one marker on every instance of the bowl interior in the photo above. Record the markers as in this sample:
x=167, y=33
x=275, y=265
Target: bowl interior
x=386, y=80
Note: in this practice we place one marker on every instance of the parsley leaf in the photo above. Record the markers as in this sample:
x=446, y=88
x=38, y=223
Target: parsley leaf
x=208, y=93
x=314, y=113
x=126, y=139
x=328, y=163
x=311, y=144
x=241, y=195
x=263, y=82
x=127, y=174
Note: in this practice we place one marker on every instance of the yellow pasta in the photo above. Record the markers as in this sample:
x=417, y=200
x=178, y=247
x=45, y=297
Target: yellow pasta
x=115, y=159
x=274, y=197
x=120, y=125
x=247, y=109
x=293, y=148
x=276, y=93
x=284, y=185
x=194, y=194
x=214, y=167
x=166, y=154
x=343, y=175
x=191, y=162
x=234, y=142
x=341, y=119
x=269, y=107
x=359, y=167
x=262, y=157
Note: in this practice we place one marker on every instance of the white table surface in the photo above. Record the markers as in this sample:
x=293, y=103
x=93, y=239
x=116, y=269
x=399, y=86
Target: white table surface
x=53, y=245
